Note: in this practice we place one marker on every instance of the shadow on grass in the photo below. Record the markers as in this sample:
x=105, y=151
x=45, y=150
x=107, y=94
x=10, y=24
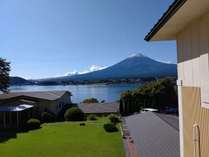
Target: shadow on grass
x=7, y=134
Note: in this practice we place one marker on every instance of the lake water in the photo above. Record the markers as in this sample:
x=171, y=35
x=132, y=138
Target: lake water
x=109, y=93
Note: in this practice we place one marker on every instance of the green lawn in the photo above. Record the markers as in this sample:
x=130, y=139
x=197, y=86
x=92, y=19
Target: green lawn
x=65, y=140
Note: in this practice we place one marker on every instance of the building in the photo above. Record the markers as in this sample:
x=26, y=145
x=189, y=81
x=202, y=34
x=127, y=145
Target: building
x=154, y=134
x=17, y=108
x=99, y=108
x=187, y=22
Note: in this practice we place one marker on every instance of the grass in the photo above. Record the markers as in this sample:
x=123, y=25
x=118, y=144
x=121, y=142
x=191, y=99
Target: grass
x=67, y=139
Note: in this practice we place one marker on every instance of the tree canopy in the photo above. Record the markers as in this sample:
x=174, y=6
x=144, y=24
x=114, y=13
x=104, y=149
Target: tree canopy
x=4, y=75
x=90, y=100
x=156, y=94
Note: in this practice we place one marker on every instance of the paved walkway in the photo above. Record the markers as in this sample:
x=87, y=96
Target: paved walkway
x=130, y=148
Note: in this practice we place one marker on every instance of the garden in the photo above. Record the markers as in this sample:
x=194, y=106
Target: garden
x=96, y=136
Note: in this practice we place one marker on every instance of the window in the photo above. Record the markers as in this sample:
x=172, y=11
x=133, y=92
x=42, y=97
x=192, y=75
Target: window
x=60, y=105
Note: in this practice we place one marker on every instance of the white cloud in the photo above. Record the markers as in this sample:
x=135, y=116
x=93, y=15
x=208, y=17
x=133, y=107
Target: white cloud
x=92, y=68
x=96, y=68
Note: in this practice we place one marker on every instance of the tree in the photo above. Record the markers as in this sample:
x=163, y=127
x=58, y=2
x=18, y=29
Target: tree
x=4, y=75
x=90, y=100
x=158, y=94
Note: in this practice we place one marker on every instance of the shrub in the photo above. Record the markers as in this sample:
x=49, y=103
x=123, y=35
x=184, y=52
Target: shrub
x=103, y=101
x=82, y=124
x=74, y=114
x=114, y=119
x=60, y=116
x=90, y=100
x=109, y=127
x=33, y=124
x=92, y=117
x=47, y=117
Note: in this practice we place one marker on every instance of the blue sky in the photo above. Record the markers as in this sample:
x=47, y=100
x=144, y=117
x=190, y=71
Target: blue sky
x=46, y=38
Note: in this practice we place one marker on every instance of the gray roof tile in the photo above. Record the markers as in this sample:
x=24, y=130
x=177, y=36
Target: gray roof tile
x=153, y=136
x=46, y=95
x=99, y=107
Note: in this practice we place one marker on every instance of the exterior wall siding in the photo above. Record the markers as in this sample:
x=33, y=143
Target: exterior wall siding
x=193, y=69
x=192, y=42
x=55, y=106
x=64, y=100
x=193, y=114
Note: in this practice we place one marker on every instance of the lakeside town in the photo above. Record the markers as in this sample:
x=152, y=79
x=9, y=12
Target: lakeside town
x=164, y=114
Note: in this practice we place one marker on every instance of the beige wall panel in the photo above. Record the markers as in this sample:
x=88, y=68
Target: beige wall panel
x=187, y=43
x=204, y=34
x=204, y=78
x=179, y=44
x=193, y=42
x=189, y=72
x=188, y=77
x=194, y=113
x=196, y=72
x=194, y=39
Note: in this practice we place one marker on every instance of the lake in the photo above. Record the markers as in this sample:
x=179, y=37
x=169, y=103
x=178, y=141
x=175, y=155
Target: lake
x=109, y=93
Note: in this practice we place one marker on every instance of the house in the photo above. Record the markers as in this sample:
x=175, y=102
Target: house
x=16, y=108
x=187, y=22
x=154, y=134
x=99, y=108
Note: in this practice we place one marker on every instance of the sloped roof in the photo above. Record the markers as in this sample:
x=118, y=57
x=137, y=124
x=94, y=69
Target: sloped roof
x=179, y=14
x=171, y=120
x=154, y=135
x=46, y=95
x=165, y=17
x=99, y=107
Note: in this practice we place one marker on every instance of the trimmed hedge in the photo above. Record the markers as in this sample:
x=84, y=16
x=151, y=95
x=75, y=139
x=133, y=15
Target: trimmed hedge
x=92, y=117
x=47, y=117
x=33, y=124
x=90, y=100
x=74, y=114
x=109, y=127
x=114, y=119
x=61, y=114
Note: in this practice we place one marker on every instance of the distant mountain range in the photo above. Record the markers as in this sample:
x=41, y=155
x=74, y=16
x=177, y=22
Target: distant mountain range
x=19, y=81
x=138, y=66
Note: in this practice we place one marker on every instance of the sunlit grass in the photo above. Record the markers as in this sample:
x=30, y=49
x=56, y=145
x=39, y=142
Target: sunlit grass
x=67, y=139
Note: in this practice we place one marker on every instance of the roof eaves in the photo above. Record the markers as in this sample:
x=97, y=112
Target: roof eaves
x=173, y=8
x=24, y=97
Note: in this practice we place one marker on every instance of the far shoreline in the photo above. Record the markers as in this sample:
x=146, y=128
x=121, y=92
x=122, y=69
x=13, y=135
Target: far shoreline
x=78, y=84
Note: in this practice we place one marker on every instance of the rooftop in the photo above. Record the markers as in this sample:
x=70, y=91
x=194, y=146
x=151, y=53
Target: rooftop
x=179, y=14
x=155, y=135
x=46, y=95
x=99, y=107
